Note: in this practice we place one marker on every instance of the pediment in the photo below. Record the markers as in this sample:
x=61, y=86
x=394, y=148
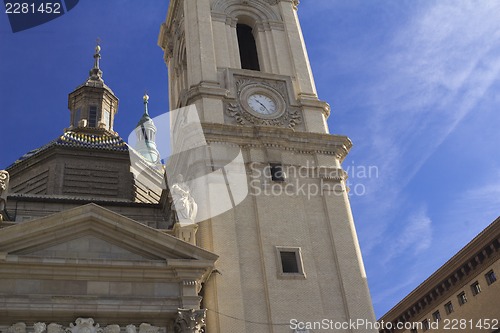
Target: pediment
x=93, y=232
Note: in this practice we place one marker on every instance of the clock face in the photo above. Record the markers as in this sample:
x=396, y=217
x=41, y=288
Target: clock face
x=262, y=104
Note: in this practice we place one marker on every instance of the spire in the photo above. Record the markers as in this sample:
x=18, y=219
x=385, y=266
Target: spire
x=146, y=135
x=146, y=100
x=95, y=72
x=145, y=116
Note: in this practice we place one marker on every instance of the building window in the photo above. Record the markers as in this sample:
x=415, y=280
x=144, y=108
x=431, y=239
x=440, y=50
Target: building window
x=248, y=48
x=476, y=288
x=106, y=118
x=277, y=173
x=93, y=116
x=490, y=277
x=448, y=307
x=436, y=316
x=425, y=324
x=462, y=298
x=290, y=262
x=76, y=118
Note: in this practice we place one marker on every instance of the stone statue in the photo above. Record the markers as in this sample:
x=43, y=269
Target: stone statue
x=190, y=321
x=184, y=203
x=4, y=186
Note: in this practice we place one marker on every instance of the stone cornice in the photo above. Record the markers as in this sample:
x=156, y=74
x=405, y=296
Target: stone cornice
x=483, y=249
x=282, y=138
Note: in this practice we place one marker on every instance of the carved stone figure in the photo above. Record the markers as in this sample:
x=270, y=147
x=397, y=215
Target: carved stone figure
x=184, y=203
x=4, y=186
x=17, y=328
x=85, y=325
x=39, y=327
x=190, y=321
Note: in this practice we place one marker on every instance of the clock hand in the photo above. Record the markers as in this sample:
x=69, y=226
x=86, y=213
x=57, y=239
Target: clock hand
x=262, y=105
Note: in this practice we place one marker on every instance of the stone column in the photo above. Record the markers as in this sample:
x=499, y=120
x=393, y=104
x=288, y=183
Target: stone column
x=190, y=321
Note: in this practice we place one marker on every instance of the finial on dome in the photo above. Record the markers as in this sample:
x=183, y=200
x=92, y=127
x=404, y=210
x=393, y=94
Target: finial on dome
x=146, y=100
x=95, y=72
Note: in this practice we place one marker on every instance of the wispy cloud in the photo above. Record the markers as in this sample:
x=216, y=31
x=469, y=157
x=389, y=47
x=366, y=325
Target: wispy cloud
x=437, y=68
x=415, y=237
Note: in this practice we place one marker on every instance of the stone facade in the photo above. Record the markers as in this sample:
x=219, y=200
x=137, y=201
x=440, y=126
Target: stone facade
x=461, y=295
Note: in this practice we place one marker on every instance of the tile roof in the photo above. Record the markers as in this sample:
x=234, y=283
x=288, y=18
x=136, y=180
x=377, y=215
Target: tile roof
x=100, y=141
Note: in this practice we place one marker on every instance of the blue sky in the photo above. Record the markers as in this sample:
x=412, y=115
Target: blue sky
x=414, y=84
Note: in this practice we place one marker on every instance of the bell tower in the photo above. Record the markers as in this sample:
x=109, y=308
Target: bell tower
x=288, y=253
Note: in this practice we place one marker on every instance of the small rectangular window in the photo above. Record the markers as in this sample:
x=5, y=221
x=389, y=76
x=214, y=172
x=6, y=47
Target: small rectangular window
x=425, y=324
x=475, y=288
x=448, y=307
x=462, y=298
x=436, y=316
x=76, y=118
x=490, y=277
x=93, y=116
x=289, y=262
x=277, y=173
x=106, y=116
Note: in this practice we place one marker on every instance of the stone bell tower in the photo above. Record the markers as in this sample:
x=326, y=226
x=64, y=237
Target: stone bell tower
x=288, y=251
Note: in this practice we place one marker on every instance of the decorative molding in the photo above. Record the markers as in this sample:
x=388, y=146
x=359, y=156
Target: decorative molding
x=82, y=325
x=190, y=321
x=288, y=117
x=261, y=11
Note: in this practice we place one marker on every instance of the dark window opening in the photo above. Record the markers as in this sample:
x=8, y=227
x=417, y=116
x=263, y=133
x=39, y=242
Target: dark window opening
x=448, y=307
x=462, y=298
x=76, y=118
x=289, y=262
x=437, y=316
x=277, y=173
x=93, y=116
x=490, y=277
x=248, y=48
x=476, y=288
x=425, y=325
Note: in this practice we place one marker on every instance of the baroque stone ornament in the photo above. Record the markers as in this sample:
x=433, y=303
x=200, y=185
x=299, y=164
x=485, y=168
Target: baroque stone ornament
x=17, y=328
x=148, y=328
x=4, y=186
x=84, y=325
x=287, y=117
x=190, y=321
x=55, y=328
x=39, y=327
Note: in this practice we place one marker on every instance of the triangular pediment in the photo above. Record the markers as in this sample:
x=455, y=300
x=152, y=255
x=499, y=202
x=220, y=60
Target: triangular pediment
x=93, y=232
